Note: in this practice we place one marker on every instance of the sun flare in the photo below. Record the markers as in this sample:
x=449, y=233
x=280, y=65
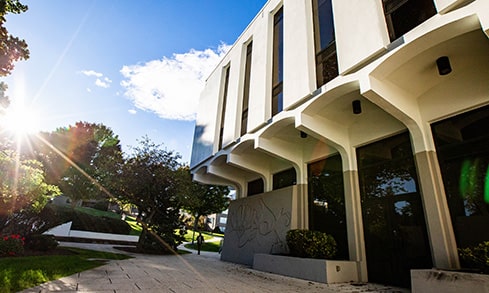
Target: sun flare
x=20, y=121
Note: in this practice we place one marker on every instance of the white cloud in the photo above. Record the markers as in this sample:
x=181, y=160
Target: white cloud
x=92, y=73
x=132, y=111
x=101, y=80
x=171, y=87
x=102, y=83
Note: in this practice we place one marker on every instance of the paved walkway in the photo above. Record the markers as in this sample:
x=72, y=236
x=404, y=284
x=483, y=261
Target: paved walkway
x=184, y=273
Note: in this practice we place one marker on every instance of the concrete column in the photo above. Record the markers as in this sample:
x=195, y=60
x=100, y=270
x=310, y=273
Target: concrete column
x=438, y=221
x=354, y=223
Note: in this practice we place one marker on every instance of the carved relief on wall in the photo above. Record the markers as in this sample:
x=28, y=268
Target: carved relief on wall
x=256, y=223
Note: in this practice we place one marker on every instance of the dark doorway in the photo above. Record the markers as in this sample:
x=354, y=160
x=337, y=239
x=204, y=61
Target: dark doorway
x=462, y=146
x=327, y=201
x=396, y=240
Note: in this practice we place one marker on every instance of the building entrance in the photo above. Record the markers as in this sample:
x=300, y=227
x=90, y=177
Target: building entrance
x=395, y=234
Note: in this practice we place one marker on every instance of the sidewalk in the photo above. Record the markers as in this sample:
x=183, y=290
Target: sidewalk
x=184, y=273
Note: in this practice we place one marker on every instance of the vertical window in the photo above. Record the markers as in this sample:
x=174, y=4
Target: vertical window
x=278, y=62
x=327, y=211
x=396, y=239
x=246, y=90
x=462, y=147
x=404, y=15
x=223, y=109
x=326, y=61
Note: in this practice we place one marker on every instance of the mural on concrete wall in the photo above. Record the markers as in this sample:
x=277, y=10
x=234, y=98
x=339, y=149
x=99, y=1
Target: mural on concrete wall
x=256, y=225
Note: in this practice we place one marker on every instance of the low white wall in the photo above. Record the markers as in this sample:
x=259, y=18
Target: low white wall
x=64, y=230
x=435, y=281
x=318, y=270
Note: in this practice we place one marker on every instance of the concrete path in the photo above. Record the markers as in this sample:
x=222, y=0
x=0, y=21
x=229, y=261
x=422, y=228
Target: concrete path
x=184, y=273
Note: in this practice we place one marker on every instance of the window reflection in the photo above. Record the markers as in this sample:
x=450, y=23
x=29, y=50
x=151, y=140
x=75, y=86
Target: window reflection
x=327, y=201
x=462, y=146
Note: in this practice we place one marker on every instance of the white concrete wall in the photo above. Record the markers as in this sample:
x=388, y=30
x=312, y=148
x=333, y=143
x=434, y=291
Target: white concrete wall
x=360, y=30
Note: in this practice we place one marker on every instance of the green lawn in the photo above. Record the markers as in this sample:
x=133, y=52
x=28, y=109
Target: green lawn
x=98, y=213
x=136, y=228
x=19, y=273
x=206, y=246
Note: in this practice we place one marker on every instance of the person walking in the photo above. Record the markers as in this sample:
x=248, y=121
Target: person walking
x=200, y=240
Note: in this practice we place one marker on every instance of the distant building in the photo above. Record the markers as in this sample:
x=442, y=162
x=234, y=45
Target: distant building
x=217, y=221
x=365, y=119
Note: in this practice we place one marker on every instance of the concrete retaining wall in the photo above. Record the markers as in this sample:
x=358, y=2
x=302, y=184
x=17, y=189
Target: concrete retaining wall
x=318, y=270
x=435, y=281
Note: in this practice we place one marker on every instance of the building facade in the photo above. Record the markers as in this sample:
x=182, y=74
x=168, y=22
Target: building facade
x=365, y=119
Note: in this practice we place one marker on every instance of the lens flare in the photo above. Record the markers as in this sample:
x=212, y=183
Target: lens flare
x=486, y=186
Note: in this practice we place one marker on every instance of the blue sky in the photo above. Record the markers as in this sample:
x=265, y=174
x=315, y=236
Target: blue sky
x=135, y=66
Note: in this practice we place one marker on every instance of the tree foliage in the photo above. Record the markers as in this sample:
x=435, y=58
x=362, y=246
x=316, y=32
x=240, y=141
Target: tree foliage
x=201, y=199
x=151, y=182
x=23, y=193
x=84, y=159
x=11, y=48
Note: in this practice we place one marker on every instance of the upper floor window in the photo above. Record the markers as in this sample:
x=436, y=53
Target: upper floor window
x=326, y=61
x=278, y=62
x=284, y=178
x=404, y=15
x=246, y=90
x=224, y=101
x=256, y=187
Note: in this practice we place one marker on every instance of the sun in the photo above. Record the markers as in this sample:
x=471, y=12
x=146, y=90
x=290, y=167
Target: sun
x=20, y=121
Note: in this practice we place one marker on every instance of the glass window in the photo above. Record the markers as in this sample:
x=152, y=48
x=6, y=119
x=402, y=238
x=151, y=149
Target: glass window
x=396, y=239
x=278, y=62
x=462, y=147
x=404, y=15
x=224, y=101
x=327, y=201
x=246, y=89
x=326, y=60
x=255, y=187
x=284, y=179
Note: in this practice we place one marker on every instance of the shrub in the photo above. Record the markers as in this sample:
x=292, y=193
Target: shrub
x=12, y=245
x=148, y=243
x=476, y=256
x=311, y=244
x=41, y=242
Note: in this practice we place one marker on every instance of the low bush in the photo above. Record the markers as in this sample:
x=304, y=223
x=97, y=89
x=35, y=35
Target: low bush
x=12, y=245
x=476, y=256
x=164, y=244
x=311, y=244
x=41, y=242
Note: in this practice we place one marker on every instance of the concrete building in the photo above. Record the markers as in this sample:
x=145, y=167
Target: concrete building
x=365, y=119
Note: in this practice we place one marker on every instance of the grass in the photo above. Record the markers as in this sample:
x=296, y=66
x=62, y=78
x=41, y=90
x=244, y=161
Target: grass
x=19, y=273
x=136, y=228
x=206, y=246
x=98, y=213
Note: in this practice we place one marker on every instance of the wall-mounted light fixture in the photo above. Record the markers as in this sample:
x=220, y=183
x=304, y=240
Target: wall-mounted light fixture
x=443, y=64
x=357, y=106
x=303, y=134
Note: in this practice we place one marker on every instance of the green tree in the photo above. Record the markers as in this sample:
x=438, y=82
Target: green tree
x=11, y=48
x=151, y=182
x=85, y=160
x=201, y=199
x=23, y=193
